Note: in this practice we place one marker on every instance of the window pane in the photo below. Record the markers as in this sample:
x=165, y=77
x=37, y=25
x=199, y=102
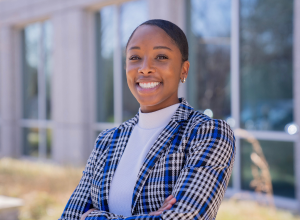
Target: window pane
x=266, y=50
x=105, y=52
x=132, y=14
x=208, y=32
x=48, y=48
x=31, y=142
x=31, y=54
x=280, y=158
x=49, y=143
x=37, y=56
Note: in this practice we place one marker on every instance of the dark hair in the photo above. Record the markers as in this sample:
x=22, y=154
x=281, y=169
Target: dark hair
x=173, y=31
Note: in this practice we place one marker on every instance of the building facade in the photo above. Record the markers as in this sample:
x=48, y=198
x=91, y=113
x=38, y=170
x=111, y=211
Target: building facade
x=62, y=77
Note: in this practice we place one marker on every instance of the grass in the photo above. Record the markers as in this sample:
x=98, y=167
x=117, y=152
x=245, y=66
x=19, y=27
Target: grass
x=46, y=189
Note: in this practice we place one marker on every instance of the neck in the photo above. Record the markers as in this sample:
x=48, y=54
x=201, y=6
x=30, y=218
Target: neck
x=163, y=104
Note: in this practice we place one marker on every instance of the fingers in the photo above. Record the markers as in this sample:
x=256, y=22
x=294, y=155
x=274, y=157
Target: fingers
x=87, y=213
x=168, y=199
x=168, y=203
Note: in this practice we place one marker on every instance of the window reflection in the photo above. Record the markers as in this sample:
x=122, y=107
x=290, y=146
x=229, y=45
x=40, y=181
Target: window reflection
x=31, y=142
x=132, y=14
x=48, y=65
x=266, y=64
x=31, y=53
x=105, y=67
x=36, y=74
x=37, y=62
x=280, y=158
x=208, y=32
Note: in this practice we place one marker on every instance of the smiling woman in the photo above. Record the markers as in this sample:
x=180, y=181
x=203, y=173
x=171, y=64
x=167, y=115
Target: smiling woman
x=167, y=162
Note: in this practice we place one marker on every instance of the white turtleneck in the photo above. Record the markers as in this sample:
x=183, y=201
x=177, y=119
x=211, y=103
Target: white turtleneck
x=141, y=140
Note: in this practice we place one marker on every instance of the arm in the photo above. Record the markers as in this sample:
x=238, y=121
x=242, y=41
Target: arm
x=80, y=200
x=201, y=185
x=203, y=180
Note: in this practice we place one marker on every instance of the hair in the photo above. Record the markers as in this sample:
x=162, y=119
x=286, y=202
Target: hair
x=173, y=31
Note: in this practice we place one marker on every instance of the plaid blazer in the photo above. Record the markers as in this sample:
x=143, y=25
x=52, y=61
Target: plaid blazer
x=191, y=159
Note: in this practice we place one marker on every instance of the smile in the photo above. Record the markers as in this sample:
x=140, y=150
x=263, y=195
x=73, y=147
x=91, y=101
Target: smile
x=149, y=85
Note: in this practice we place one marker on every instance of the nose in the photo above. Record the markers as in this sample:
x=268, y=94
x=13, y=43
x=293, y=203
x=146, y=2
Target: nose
x=146, y=66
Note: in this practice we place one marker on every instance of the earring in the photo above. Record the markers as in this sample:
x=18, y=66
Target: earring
x=183, y=81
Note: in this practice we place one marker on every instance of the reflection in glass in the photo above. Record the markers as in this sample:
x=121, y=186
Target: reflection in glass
x=36, y=72
x=31, y=54
x=280, y=157
x=31, y=142
x=37, y=62
x=48, y=143
x=48, y=65
x=37, y=142
x=132, y=14
x=208, y=32
x=104, y=62
x=266, y=50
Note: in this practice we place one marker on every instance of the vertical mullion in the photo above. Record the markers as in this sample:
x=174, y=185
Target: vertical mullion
x=42, y=95
x=117, y=62
x=296, y=95
x=235, y=88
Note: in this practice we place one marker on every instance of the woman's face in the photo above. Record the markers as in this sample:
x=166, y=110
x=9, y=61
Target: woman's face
x=154, y=68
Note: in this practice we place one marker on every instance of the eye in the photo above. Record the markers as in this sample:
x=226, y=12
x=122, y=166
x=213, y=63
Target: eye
x=161, y=57
x=134, y=57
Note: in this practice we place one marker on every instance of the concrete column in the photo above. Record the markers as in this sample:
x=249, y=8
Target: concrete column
x=174, y=11
x=72, y=83
x=9, y=93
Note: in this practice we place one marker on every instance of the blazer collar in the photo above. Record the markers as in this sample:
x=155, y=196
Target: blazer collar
x=118, y=145
x=182, y=113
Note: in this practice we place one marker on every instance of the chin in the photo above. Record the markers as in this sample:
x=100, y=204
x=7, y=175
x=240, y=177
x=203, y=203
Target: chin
x=149, y=101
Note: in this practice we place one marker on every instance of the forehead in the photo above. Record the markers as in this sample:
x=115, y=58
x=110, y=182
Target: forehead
x=151, y=35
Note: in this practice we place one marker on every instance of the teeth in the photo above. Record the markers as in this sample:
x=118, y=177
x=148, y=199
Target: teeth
x=148, y=85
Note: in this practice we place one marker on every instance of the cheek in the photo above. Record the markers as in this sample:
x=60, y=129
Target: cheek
x=130, y=73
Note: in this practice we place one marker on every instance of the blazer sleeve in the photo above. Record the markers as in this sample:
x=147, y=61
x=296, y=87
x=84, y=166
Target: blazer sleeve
x=80, y=200
x=203, y=180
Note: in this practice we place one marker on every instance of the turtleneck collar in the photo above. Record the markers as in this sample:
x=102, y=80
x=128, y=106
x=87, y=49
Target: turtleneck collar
x=158, y=118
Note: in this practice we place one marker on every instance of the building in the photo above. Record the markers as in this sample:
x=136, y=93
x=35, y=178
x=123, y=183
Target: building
x=62, y=79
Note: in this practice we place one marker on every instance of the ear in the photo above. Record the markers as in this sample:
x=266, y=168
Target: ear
x=185, y=69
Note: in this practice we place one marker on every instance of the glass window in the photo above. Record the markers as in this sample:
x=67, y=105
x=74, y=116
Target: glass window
x=105, y=68
x=280, y=158
x=132, y=14
x=36, y=72
x=34, y=145
x=31, y=54
x=266, y=64
x=31, y=142
x=208, y=32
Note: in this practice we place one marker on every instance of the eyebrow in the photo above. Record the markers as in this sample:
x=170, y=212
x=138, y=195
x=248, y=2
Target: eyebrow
x=135, y=47
x=154, y=48
x=161, y=47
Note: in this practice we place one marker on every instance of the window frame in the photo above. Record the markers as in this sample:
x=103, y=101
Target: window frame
x=41, y=123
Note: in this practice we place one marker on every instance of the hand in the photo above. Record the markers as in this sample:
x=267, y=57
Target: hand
x=86, y=214
x=165, y=206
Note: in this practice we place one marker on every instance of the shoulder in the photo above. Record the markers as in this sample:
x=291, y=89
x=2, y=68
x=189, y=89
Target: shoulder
x=202, y=126
x=108, y=135
x=103, y=138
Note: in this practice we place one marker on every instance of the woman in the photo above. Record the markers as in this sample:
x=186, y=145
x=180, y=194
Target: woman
x=169, y=161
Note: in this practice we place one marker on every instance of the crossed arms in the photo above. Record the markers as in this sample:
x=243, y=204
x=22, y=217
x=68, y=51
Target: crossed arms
x=200, y=186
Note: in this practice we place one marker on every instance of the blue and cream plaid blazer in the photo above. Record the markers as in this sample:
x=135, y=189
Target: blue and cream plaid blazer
x=191, y=159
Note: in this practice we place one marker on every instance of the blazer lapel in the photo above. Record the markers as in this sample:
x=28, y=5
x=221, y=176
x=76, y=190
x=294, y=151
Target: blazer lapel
x=159, y=146
x=115, y=152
